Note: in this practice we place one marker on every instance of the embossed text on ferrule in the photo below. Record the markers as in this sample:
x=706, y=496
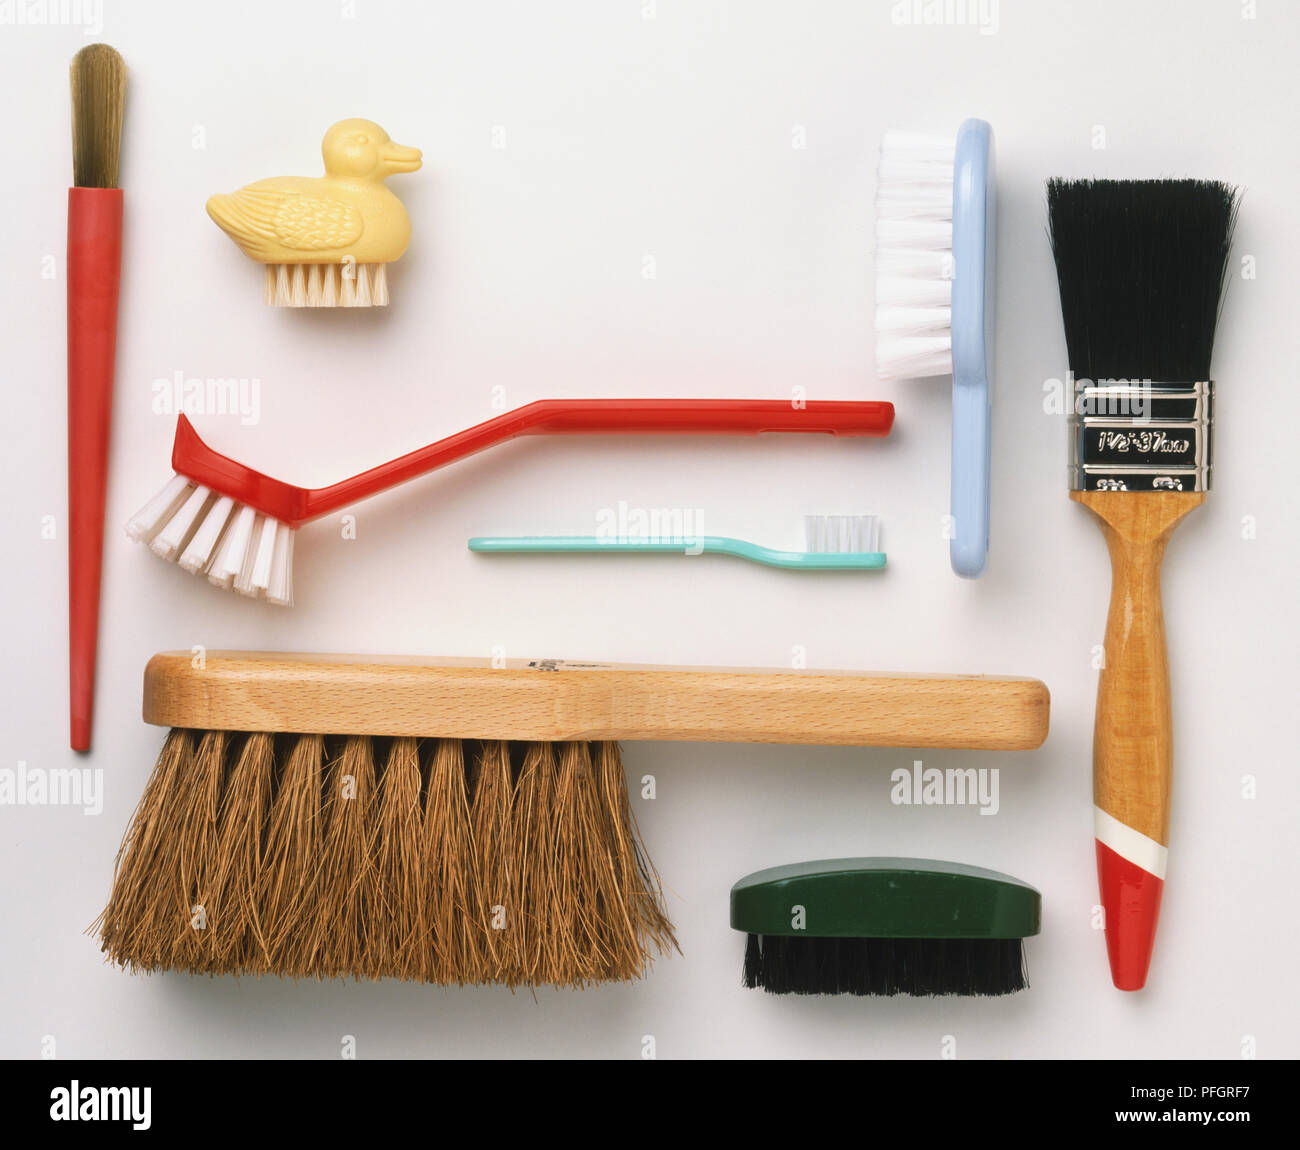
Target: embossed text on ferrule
x=1144, y=442
x=1143, y=437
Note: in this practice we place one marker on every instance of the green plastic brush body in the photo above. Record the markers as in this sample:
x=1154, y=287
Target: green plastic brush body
x=885, y=898
x=884, y=926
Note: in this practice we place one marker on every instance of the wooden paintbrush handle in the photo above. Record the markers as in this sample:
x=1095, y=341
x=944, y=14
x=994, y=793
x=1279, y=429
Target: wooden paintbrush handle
x=1132, y=756
x=550, y=700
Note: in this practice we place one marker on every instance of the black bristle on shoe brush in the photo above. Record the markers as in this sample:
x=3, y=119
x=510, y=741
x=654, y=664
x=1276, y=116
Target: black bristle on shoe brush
x=884, y=926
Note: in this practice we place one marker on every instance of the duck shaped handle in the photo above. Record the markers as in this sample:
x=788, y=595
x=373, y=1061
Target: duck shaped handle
x=326, y=240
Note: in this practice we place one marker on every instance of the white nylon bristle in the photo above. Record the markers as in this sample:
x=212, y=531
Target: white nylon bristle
x=913, y=257
x=843, y=534
x=363, y=286
x=912, y=263
x=199, y=550
x=913, y=200
x=203, y=532
x=244, y=576
x=259, y=576
x=913, y=293
x=229, y=559
x=914, y=235
x=279, y=588
x=914, y=320
x=145, y=523
x=326, y=285
x=173, y=535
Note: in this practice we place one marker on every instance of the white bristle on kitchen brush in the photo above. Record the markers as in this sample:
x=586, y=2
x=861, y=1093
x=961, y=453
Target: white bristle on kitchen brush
x=144, y=524
x=913, y=258
x=279, y=589
x=256, y=575
x=203, y=532
x=204, y=541
x=173, y=535
x=842, y=534
x=228, y=562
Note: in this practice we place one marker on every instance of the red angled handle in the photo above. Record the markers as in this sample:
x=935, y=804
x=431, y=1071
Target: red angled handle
x=94, y=269
x=193, y=458
x=702, y=417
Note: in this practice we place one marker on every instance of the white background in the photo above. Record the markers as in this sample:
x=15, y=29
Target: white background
x=666, y=130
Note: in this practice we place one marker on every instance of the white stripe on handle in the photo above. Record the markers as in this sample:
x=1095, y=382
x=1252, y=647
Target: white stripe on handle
x=1130, y=844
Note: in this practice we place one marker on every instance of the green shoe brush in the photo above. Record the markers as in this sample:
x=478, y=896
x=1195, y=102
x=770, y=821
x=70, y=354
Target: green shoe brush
x=835, y=543
x=884, y=926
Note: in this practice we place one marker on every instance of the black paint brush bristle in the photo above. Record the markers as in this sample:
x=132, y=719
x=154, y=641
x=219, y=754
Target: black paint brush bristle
x=1141, y=267
x=98, y=102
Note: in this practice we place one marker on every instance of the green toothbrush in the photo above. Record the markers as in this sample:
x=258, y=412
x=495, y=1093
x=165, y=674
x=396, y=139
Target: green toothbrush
x=835, y=543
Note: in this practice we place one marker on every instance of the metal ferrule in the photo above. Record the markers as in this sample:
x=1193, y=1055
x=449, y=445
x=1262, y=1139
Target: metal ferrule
x=1135, y=435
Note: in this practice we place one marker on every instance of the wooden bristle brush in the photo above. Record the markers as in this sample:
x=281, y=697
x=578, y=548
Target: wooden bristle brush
x=1141, y=267
x=451, y=821
x=94, y=266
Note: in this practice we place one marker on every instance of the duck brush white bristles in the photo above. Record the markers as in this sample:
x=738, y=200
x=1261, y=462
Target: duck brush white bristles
x=202, y=532
x=327, y=285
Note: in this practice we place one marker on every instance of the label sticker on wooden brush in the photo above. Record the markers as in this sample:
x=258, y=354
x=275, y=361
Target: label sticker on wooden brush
x=567, y=665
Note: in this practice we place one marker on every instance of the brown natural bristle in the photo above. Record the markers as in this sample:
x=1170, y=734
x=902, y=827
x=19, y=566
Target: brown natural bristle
x=98, y=102
x=430, y=860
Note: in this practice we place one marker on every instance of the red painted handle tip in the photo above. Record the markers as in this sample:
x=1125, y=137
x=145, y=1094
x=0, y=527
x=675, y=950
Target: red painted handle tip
x=1130, y=897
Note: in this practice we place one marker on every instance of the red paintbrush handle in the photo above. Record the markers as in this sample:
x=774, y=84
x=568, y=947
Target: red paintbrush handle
x=94, y=268
x=193, y=458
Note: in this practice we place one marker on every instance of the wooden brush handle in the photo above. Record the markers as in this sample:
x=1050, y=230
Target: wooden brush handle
x=1132, y=754
x=548, y=700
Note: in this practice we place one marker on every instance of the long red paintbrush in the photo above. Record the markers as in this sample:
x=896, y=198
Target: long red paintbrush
x=94, y=266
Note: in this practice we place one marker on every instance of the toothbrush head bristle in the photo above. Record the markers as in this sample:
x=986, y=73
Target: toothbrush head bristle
x=843, y=534
x=204, y=532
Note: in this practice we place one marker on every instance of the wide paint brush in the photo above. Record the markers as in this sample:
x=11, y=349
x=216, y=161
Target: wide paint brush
x=1141, y=265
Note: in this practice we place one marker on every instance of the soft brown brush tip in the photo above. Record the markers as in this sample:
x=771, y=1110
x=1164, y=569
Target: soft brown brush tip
x=98, y=102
